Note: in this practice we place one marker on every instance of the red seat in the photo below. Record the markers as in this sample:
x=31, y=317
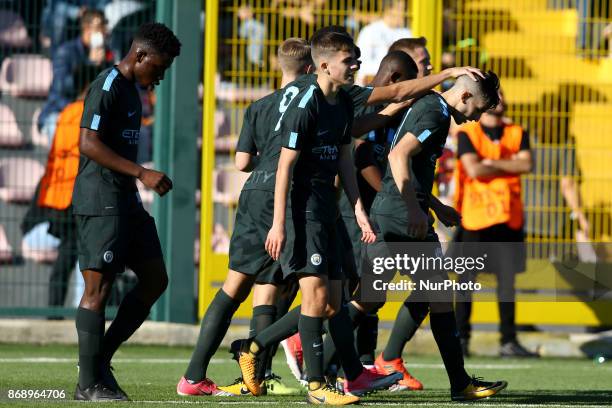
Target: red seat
x=10, y=134
x=37, y=138
x=27, y=75
x=18, y=179
x=13, y=32
x=6, y=251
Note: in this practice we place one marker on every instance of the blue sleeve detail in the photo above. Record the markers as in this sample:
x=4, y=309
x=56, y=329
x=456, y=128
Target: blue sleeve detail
x=307, y=96
x=444, y=107
x=424, y=135
x=109, y=79
x=293, y=140
x=95, y=122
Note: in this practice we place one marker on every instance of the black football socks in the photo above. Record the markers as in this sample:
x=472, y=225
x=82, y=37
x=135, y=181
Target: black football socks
x=214, y=325
x=445, y=333
x=409, y=318
x=263, y=317
x=312, y=346
x=341, y=332
x=366, y=337
x=283, y=328
x=90, y=331
x=130, y=316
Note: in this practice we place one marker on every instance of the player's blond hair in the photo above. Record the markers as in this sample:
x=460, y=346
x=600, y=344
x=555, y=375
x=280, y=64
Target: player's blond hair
x=294, y=55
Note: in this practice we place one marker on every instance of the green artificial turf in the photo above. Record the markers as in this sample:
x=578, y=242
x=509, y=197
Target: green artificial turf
x=149, y=375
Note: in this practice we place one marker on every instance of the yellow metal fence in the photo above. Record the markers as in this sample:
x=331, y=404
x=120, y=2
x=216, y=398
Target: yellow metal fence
x=555, y=70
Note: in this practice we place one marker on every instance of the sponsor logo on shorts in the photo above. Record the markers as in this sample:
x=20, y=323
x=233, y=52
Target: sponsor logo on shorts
x=108, y=256
x=316, y=259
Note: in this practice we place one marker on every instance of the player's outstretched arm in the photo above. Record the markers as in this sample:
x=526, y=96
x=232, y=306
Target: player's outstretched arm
x=346, y=172
x=412, y=88
x=284, y=174
x=377, y=120
x=400, y=162
x=91, y=146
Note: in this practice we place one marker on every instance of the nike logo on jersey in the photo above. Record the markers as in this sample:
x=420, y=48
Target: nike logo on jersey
x=268, y=176
x=322, y=132
x=317, y=344
x=130, y=114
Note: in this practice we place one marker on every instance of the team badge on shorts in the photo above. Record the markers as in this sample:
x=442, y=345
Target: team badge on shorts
x=316, y=259
x=108, y=256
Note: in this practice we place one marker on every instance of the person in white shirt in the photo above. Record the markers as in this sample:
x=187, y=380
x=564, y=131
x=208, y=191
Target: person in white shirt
x=375, y=38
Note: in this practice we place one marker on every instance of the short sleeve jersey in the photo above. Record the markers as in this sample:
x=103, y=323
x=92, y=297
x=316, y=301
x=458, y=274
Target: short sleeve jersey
x=428, y=120
x=113, y=109
x=260, y=133
x=317, y=129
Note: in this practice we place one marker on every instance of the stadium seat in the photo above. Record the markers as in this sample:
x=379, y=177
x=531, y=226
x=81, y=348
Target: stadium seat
x=220, y=239
x=18, y=179
x=26, y=75
x=230, y=92
x=13, y=32
x=6, y=251
x=227, y=184
x=37, y=138
x=225, y=144
x=10, y=134
x=40, y=246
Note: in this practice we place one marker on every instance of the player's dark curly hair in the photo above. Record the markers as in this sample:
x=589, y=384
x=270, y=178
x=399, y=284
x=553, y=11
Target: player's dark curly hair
x=490, y=88
x=159, y=37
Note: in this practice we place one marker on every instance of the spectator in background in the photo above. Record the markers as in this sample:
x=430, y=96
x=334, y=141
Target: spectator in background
x=51, y=204
x=59, y=18
x=254, y=32
x=492, y=155
x=89, y=49
x=375, y=38
x=124, y=17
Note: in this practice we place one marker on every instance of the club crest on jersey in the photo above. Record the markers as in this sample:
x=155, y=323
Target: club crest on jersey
x=108, y=256
x=316, y=259
x=329, y=152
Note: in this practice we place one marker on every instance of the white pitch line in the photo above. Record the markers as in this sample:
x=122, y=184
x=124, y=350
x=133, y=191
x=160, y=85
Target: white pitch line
x=227, y=360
